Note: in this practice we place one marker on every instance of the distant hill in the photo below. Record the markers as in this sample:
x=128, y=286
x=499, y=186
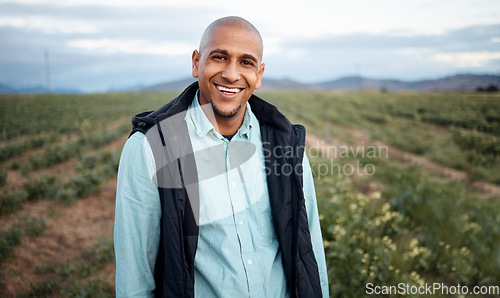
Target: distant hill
x=459, y=83
x=6, y=89
x=275, y=84
x=170, y=86
x=267, y=84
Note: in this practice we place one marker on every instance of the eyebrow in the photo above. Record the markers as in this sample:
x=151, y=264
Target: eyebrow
x=251, y=57
x=219, y=51
x=224, y=52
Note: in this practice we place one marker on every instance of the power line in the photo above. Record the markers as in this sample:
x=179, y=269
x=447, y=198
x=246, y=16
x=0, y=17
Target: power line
x=47, y=70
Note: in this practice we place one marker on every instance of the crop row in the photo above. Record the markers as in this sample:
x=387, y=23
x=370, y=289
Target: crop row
x=13, y=149
x=57, y=154
x=12, y=236
x=414, y=230
x=470, y=111
x=65, y=114
x=466, y=137
x=67, y=281
x=84, y=183
x=91, y=171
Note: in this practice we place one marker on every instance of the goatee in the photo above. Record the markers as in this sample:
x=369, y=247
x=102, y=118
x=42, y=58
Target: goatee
x=223, y=114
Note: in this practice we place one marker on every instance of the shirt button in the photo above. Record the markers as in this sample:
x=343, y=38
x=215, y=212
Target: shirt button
x=240, y=222
x=233, y=183
x=249, y=262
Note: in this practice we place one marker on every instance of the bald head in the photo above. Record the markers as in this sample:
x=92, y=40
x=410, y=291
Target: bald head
x=232, y=21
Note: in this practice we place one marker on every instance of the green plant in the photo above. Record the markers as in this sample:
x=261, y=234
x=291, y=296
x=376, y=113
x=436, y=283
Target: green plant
x=11, y=201
x=11, y=150
x=66, y=195
x=414, y=230
x=43, y=290
x=3, y=177
x=8, y=239
x=34, y=227
x=84, y=184
x=67, y=278
x=87, y=163
x=43, y=188
x=101, y=253
x=93, y=288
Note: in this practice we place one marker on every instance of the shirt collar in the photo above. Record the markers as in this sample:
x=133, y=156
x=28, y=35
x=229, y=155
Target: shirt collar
x=204, y=126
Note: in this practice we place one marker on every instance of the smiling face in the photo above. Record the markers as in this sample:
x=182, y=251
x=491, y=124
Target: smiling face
x=229, y=69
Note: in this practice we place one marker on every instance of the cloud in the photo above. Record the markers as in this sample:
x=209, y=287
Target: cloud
x=386, y=55
x=478, y=36
x=163, y=22
x=49, y=25
x=94, y=44
x=467, y=59
x=131, y=46
x=112, y=3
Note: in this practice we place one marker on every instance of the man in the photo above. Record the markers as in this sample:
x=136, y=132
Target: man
x=215, y=196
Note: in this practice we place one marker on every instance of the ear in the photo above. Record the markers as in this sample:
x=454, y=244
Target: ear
x=259, y=76
x=196, y=62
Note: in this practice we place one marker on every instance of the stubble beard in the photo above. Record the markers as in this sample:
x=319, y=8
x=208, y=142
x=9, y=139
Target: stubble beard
x=225, y=114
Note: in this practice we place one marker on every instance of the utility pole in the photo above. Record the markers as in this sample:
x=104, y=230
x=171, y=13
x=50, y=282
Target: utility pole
x=47, y=71
x=358, y=74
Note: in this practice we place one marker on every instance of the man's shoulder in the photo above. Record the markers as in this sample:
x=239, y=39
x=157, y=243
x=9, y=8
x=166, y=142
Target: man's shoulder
x=269, y=114
x=135, y=143
x=142, y=122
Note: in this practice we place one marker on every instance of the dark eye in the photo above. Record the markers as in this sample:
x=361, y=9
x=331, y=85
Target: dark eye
x=247, y=62
x=219, y=58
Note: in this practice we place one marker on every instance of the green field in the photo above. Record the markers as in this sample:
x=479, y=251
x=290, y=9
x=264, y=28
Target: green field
x=407, y=220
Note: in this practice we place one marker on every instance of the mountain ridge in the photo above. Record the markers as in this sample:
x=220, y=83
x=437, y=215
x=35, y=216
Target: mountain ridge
x=458, y=83
x=453, y=83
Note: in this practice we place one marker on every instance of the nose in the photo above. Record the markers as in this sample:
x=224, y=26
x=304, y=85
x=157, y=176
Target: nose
x=231, y=72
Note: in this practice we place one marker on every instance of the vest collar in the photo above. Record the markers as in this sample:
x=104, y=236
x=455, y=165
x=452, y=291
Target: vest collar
x=264, y=111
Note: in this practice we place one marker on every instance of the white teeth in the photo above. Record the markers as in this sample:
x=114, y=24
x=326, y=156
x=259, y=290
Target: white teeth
x=233, y=90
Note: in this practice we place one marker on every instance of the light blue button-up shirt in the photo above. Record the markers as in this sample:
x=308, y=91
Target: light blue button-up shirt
x=238, y=253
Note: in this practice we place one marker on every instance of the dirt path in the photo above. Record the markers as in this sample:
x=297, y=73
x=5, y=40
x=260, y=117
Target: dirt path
x=15, y=181
x=70, y=230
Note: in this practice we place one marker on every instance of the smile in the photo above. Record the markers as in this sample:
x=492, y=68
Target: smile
x=227, y=90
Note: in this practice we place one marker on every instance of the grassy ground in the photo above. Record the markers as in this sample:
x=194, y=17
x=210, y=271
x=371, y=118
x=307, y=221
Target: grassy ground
x=57, y=179
x=388, y=220
x=397, y=192
x=460, y=131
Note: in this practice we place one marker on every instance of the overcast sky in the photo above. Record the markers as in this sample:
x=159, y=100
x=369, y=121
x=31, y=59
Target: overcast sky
x=94, y=45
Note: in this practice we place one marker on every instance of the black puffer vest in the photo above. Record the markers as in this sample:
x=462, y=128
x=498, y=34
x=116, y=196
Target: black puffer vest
x=165, y=129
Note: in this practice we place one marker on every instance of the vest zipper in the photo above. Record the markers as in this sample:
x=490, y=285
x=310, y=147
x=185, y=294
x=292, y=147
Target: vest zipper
x=180, y=228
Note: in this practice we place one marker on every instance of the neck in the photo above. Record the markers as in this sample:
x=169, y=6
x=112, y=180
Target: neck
x=229, y=126
x=223, y=125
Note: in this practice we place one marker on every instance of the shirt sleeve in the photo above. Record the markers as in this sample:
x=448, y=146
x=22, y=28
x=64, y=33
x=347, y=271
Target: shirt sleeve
x=137, y=220
x=314, y=226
